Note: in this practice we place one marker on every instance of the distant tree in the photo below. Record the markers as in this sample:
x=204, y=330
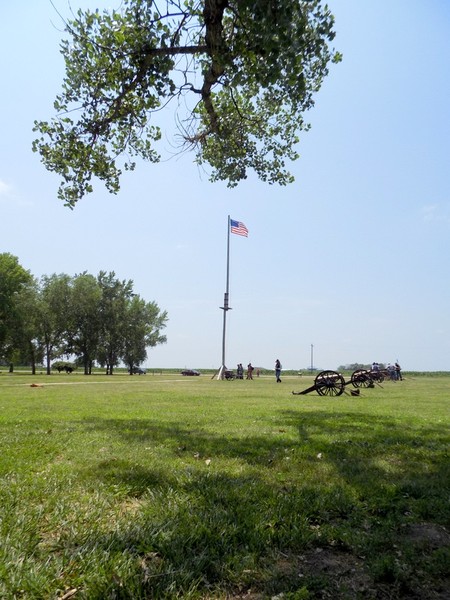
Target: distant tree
x=115, y=299
x=353, y=367
x=55, y=312
x=241, y=73
x=84, y=320
x=13, y=280
x=28, y=342
x=144, y=322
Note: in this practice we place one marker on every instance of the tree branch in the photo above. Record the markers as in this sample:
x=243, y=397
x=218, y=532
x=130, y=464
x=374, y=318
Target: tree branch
x=213, y=15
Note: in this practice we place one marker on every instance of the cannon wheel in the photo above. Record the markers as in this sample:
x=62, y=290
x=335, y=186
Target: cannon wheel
x=361, y=378
x=329, y=383
x=377, y=376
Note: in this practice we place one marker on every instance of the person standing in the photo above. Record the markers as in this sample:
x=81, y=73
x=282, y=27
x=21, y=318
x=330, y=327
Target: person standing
x=392, y=372
x=278, y=370
x=398, y=371
x=250, y=371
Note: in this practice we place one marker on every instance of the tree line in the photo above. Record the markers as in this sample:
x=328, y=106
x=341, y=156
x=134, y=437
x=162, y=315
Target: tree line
x=97, y=319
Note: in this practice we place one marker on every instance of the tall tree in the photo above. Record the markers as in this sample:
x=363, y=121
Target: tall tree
x=13, y=280
x=243, y=71
x=116, y=295
x=28, y=341
x=144, y=322
x=55, y=312
x=84, y=320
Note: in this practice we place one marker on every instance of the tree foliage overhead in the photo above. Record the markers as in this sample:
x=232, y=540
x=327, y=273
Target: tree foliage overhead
x=241, y=73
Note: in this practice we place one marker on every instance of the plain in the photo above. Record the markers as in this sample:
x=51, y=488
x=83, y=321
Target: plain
x=167, y=487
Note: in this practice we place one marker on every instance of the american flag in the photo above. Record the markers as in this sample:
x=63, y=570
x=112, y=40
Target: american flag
x=238, y=228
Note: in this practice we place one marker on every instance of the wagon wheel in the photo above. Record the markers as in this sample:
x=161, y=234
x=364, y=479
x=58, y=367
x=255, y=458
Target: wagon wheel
x=377, y=376
x=361, y=378
x=329, y=383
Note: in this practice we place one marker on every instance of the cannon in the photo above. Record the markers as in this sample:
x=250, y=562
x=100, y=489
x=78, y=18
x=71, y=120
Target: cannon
x=361, y=378
x=326, y=383
x=365, y=378
x=332, y=383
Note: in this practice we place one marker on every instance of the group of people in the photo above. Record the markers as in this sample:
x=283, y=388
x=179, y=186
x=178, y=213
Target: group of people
x=394, y=371
x=250, y=369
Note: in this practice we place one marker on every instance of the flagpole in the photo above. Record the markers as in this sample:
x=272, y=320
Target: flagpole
x=225, y=306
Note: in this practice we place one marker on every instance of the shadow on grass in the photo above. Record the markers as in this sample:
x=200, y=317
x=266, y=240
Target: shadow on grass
x=363, y=450
x=375, y=450
x=201, y=527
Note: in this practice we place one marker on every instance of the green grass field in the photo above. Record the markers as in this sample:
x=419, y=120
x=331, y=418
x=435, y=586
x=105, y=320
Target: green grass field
x=167, y=487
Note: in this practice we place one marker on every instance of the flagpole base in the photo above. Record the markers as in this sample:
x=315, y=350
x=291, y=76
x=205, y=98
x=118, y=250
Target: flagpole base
x=221, y=373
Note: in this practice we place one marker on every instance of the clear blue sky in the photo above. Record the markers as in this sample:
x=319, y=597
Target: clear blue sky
x=352, y=258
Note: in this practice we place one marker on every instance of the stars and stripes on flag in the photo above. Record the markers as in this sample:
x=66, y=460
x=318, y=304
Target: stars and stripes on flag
x=238, y=228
